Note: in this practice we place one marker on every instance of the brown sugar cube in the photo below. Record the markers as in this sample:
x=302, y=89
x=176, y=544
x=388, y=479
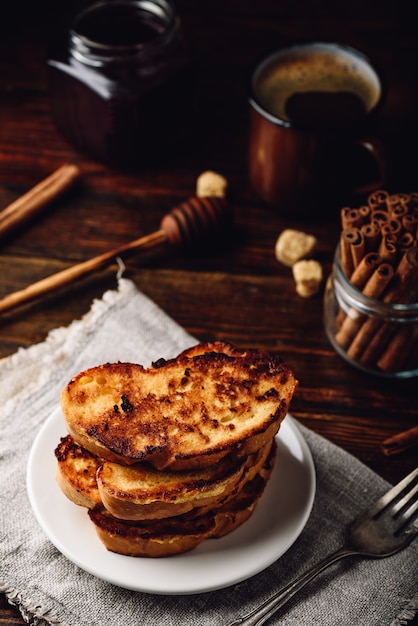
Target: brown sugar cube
x=294, y=245
x=308, y=277
x=211, y=184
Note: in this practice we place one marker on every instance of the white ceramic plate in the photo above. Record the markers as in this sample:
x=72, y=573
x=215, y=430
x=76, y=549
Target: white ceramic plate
x=217, y=563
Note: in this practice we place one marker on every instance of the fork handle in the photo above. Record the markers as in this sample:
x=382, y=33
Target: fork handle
x=262, y=613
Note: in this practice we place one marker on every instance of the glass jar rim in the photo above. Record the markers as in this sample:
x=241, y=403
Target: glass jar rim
x=370, y=306
x=92, y=52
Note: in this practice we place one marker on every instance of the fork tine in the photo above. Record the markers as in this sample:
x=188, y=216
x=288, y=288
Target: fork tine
x=398, y=491
x=404, y=502
x=408, y=521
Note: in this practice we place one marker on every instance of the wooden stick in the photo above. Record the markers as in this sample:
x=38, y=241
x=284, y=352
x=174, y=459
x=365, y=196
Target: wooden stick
x=71, y=274
x=37, y=198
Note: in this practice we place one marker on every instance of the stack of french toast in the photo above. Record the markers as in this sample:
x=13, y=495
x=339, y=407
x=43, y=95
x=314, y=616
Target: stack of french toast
x=167, y=456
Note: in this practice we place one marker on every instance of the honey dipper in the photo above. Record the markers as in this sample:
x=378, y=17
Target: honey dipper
x=185, y=225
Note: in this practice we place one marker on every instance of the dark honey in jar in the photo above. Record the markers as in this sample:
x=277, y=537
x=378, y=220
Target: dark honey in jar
x=122, y=84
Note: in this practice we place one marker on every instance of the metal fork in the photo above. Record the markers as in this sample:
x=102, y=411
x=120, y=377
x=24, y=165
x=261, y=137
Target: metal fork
x=386, y=528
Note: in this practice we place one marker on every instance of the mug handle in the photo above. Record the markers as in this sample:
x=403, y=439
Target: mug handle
x=377, y=151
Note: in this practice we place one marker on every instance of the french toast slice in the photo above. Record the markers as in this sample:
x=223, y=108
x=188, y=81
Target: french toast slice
x=144, y=539
x=168, y=537
x=141, y=492
x=76, y=473
x=182, y=413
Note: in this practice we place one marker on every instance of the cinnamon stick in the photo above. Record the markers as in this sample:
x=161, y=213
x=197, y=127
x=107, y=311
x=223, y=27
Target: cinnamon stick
x=378, y=281
x=38, y=198
x=392, y=227
x=380, y=216
x=398, y=350
x=355, y=240
x=377, y=344
x=365, y=269
x=401, y=441
x=399, y=210
x=351, y=218
x=406, y=241
x=374, y=288
x=346, y=256
x=363, y=338
x=410, y=223
x=378, y=199
x=372, y=235
x=404, y=286
x=364, y=211
x=388, y=249
x=398, y=203
x=359, y=278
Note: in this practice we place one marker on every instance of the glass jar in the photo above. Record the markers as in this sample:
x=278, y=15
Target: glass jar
x=375, y=336
x=121, y=84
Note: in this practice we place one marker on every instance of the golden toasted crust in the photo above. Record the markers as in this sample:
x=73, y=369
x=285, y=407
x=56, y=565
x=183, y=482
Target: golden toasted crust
x=141, y=492
x=172, y=536
x=183, y=413
x=76, y=473
x=237, y=511
x=142, y=539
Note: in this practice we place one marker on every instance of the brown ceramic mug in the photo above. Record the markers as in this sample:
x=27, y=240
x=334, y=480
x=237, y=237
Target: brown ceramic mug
x=313, y=140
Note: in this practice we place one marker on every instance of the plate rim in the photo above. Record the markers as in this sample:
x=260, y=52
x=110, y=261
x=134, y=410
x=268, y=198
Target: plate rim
x=289, y=427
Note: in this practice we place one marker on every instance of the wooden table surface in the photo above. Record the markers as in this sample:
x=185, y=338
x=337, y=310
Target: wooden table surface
x=234, y=291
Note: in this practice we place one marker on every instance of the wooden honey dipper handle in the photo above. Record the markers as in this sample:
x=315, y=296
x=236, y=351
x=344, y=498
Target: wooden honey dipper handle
x=183, y=226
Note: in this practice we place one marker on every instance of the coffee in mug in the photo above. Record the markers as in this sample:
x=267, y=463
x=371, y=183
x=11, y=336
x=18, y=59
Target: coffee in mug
x=313, y=124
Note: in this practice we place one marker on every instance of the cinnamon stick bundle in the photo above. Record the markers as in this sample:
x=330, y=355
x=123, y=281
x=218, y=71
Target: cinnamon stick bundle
x=379, y=257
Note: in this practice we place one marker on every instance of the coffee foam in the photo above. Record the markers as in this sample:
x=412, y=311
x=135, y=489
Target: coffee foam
x=314, y=68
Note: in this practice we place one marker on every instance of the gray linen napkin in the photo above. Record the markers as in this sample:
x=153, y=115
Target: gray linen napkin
x=49, y=589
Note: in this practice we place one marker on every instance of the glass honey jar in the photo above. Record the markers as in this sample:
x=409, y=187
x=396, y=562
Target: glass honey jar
x=121, y=83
